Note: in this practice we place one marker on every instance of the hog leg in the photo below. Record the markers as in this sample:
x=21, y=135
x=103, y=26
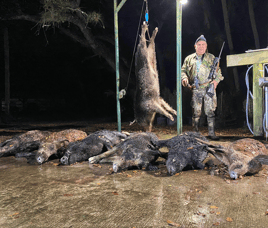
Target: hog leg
x=167, y=106
x=152, y=54
x=158, y=108
x=142, y=43
x=153, y=36
x=151, y=122
x=96, y=158
x=141, y=56
x=5, y=142
x=147, y=124
x=151, y=46
x=151, y=50
x=10, y=147
x=25, y=154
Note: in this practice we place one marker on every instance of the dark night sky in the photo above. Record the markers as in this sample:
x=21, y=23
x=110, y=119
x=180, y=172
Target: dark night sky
x=50, y=65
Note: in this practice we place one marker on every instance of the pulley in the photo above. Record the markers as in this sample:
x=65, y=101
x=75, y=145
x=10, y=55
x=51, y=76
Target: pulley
x=146, y=13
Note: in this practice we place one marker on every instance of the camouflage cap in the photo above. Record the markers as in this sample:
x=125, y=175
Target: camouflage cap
x=200, y=38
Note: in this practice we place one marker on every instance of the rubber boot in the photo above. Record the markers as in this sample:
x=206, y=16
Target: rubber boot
x=196, y=124
x=211, y=128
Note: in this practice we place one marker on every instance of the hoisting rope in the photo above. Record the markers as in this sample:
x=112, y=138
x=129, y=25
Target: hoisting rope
x=122, y=93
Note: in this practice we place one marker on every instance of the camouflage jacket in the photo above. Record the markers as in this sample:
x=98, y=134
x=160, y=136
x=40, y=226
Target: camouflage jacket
x=189, y=70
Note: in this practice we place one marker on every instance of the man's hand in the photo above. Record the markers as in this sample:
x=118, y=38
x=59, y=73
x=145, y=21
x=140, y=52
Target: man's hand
x=185, y=82
x=215, y=84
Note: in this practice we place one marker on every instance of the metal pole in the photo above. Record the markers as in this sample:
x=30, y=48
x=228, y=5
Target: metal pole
x=179, y=100
x=116, y=10
x=117, y=64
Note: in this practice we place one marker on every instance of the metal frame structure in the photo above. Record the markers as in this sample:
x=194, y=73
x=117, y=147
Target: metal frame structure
x=178, y=34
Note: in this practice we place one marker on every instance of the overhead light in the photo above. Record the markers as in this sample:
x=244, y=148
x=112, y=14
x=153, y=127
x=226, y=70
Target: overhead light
x=184, y=1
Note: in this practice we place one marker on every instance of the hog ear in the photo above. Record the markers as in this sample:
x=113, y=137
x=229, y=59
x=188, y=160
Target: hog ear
x=221, y=154
x=218, y=152
x=62, y=143
x=263, y=159
x=254, y=165
x=162, y=143
x=222, y=157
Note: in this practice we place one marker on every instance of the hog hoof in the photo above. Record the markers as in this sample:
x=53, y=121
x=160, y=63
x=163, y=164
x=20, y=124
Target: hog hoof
x=92, y=160
x=151, y=167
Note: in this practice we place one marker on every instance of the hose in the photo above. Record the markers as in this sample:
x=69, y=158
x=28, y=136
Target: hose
x=249, y=94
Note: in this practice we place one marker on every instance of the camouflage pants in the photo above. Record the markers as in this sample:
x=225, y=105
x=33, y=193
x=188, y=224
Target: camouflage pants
x=200, y=97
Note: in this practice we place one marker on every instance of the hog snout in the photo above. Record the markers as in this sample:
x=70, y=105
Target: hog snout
x=64, y=160
x=171, y=170
x=40, y=159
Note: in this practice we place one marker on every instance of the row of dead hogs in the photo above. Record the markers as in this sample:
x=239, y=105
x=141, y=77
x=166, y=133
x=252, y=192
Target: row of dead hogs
x=136, y=150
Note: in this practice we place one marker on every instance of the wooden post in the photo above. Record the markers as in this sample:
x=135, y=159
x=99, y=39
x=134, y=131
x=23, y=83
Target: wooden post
x=257, y=100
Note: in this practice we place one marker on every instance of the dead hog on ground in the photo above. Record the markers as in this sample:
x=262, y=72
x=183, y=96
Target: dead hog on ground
x=139, y=150
x=55, y=141
x=147, y=100
x=25, y=142
x=243, y=156
x=94, y=144
x=184, y=150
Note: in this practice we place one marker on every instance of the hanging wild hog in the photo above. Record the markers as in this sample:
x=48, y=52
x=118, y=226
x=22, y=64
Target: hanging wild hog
x=147, y=100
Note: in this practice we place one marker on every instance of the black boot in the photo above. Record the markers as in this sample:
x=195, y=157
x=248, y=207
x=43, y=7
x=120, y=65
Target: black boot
x=211, y=128
x=196, y=124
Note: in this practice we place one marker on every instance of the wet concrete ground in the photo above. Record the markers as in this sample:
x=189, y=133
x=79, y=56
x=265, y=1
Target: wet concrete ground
x=86, y=195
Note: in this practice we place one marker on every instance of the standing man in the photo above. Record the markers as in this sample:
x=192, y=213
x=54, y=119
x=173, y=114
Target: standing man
x=195, y=70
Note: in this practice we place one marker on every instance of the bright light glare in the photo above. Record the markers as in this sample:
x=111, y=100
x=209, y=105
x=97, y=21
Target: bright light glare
x=184, y=1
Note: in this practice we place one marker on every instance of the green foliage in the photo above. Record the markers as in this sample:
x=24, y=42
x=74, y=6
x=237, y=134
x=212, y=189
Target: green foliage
x=58, y=11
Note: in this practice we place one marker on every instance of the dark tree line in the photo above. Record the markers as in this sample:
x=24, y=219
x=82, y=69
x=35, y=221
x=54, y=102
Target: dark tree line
x=80, y=34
